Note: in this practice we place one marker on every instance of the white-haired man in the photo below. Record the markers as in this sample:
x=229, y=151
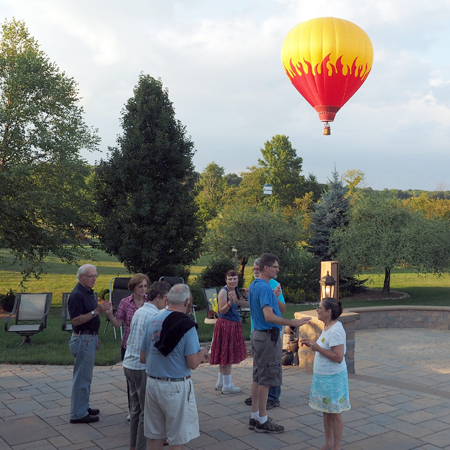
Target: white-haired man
x=84, y=312
x=170, y=349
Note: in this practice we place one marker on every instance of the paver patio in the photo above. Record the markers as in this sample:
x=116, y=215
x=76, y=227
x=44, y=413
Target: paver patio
x=400, y=398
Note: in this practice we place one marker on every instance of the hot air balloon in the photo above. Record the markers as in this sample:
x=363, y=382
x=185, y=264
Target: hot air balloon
x=327, y=61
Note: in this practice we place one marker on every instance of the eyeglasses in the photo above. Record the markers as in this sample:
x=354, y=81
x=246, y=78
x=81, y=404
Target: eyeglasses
x=275, y=267
x=91, y=277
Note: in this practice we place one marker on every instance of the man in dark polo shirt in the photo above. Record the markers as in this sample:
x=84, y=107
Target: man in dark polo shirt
x=84, y=312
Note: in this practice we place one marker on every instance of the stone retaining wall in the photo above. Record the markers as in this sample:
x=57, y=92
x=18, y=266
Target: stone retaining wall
x=436, y=317
x=372, y=317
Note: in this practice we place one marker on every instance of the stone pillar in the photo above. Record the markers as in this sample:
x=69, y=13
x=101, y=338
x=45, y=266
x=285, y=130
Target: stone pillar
x=313, y=330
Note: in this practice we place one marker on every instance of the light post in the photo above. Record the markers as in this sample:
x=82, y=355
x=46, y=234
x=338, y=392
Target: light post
x=329, y=284
x=267, y=190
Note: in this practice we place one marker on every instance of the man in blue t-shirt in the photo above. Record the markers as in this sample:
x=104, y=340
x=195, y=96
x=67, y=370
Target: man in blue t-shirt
x=170, y=350
x=266, y=310
x=273, y=400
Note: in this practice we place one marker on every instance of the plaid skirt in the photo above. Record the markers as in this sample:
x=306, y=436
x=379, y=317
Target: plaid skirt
x=228, y=346
x=329, y=393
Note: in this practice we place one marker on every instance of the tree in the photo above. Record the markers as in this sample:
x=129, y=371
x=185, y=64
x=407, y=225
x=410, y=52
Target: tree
x=145, y=191
x=282, y=169
x=330, y=212
x=211, y=191
x=233, y=179
x=43, y=199
x=382, y=233
x=354, y=178
x=247, y=228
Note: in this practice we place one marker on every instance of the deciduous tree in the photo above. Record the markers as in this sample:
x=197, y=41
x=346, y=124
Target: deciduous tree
x=43, y=199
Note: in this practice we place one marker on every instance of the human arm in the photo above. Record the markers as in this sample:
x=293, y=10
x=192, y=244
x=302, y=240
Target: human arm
x=225, y=301
x=121, y=313
x=336, y=354
x=142, y=356
x=84, y=318
x=194, y=360
x=271, y=317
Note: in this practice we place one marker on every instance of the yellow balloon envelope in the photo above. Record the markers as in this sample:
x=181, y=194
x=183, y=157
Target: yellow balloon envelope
x=327, y=61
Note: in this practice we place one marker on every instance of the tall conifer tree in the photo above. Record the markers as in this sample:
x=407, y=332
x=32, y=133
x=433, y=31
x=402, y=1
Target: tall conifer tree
x=145, y=191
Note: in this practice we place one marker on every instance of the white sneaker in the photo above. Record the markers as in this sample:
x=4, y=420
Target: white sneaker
x=218, y=387
x=231, y=389
x=128, y=417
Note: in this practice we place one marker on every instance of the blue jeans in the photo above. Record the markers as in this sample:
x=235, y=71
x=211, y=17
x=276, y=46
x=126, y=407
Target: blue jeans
x=274, y=393
x=82, y=347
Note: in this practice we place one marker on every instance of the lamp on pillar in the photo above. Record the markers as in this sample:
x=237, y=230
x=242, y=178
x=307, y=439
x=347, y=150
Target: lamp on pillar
x=329, y=284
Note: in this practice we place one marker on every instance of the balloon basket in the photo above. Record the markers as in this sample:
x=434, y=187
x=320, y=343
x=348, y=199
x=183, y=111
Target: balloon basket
x=327, y=130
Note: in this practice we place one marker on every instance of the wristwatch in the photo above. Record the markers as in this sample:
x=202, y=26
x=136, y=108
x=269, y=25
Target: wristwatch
x=93, y=313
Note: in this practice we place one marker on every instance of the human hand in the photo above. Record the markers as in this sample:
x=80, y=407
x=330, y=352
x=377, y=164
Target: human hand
x=105, y=306
x=300, y=322
x=205, y=354
x=277, y=290
x=308, y=343
x=99, y=343
x=232, y=297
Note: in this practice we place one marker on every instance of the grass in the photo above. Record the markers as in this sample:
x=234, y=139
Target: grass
x=51, y=346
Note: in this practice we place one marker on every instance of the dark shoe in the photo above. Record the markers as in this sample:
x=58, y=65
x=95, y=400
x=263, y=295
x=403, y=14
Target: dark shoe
x=93, y=411
x=272, y=404
x=251, y=424
x=248, y=401
x=85, y=419
x=269, y=426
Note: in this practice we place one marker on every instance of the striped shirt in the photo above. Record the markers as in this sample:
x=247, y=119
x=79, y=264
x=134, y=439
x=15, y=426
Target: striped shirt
x=137, y=330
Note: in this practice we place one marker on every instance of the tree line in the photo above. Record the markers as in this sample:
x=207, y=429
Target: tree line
x=145, y=203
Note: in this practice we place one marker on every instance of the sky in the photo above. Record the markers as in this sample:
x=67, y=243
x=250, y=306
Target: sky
x=220, y=61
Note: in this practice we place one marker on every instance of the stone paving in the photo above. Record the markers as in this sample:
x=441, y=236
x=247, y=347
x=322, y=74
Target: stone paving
x=400, y=398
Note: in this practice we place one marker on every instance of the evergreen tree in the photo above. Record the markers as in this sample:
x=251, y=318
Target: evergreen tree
x=330, y=212
x=145, y=191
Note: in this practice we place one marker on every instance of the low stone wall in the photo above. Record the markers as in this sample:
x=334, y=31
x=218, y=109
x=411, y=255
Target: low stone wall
x=313, y=330
x=371, y=317
x=435, y=317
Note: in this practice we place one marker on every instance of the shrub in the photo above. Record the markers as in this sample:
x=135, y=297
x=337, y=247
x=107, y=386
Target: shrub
x=299, y=276
x=7, y=301
x=214, y=274
x=197, y=293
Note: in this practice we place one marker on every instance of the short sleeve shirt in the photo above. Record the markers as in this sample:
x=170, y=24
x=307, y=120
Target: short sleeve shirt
x=82, y=301
x=173, y=365
x=260, y=295
x=330, y=338
x=125, y=312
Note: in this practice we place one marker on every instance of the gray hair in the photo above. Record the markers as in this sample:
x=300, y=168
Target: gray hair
x=256, y=261
x=178, y=294
x=83, y=269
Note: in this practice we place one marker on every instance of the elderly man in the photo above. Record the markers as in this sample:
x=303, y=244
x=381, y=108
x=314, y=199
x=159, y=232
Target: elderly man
x=170, y=349
x=265, y=310
x=134, y=370
x=84, y=312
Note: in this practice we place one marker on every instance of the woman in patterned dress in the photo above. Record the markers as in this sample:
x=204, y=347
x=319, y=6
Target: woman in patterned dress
x=228, y=345
x=329, y=389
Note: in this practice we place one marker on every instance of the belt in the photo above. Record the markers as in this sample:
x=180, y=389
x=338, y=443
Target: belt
x=170, y=379
x=93, y=333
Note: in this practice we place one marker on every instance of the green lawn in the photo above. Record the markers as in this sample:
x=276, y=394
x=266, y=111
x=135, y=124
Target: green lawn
x=51, y=346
